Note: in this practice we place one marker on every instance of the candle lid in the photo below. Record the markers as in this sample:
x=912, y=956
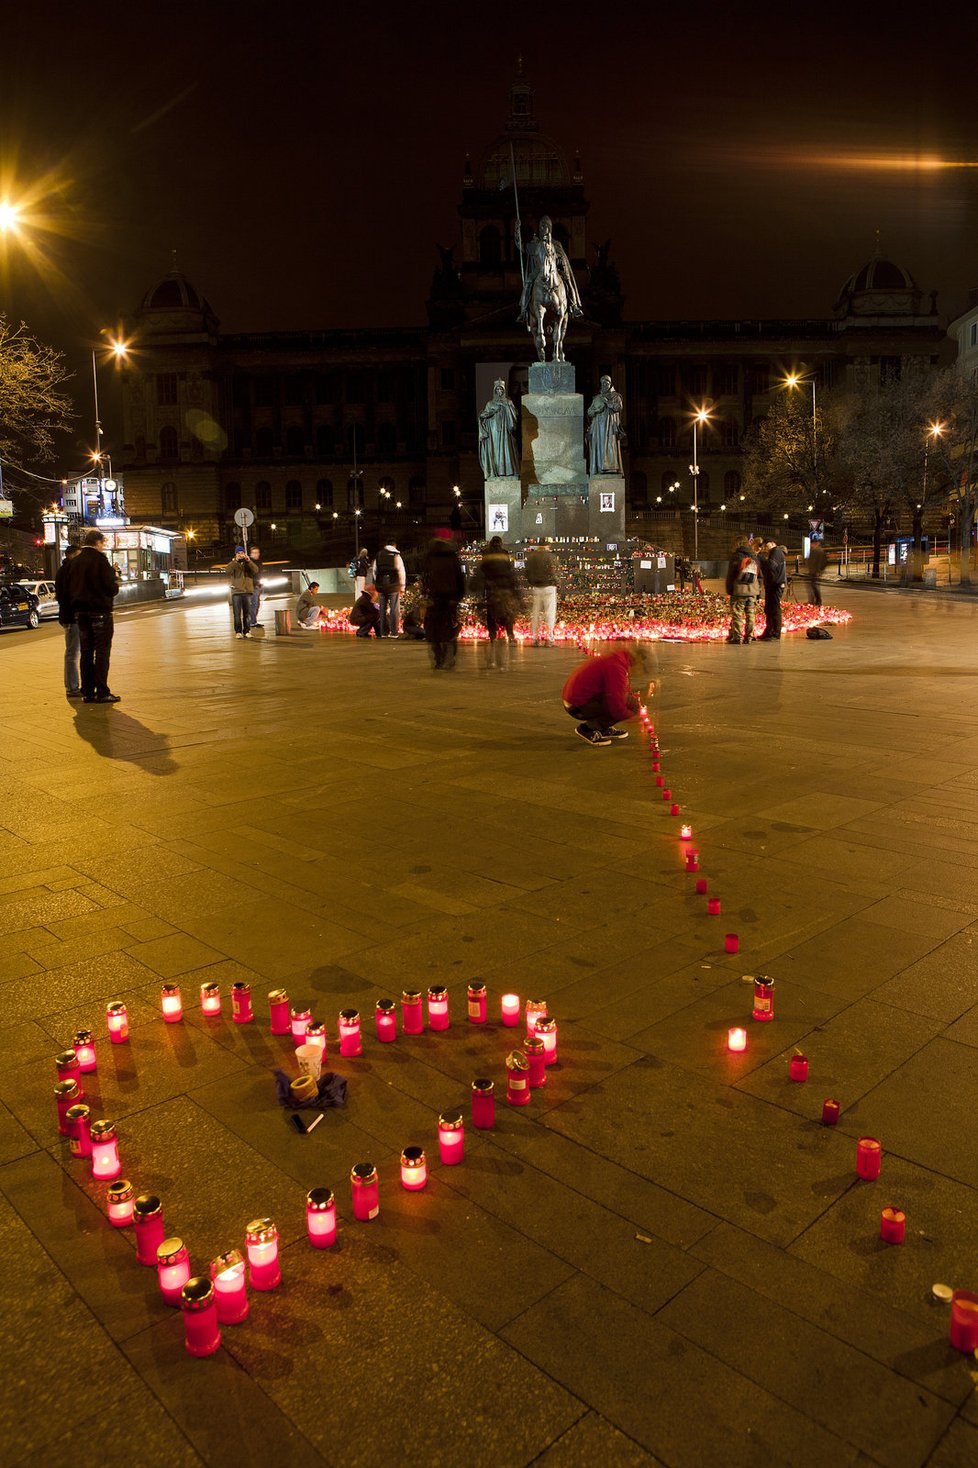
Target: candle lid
x=411, y=996
x=66, y=1059
x=413, y=1157
x=451, y=1121
x=516, y=1060
x=241, y=986
x=229, y=1260
x=870, y=1144
x=170, y=1251
x=260, y=1231
x=476, y=989
x=548, y=1026
x=83, y=1037
x=483, y=1087
x=278, y=996
x=943, y=1293
x=363, y=1172
x=170, y=989
x=315, y=1027
x=437, y=991
x=386, y=1006
x=64, y=1090
x=349, y=1015
x=319, y=1199
x=147, y=1204
x=210, y=988
x=197, y=1293
x=301, y=1013
x=533, y=1045
x=538, y=1005
x=762, y=981
x=78, y=1112
x=116, y=1007
x=103, y=1131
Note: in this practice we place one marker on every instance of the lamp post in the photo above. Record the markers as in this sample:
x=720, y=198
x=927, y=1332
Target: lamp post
x=934, y=432
x=794, y=382
x=119, y=350
x=702, y=415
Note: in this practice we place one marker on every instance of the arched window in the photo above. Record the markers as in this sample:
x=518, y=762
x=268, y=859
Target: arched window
x=264, y=443
x=295, y=442
x=263, y=495
x=639, y=486
x=386, y=440
x=293, y=495
x=729, y=434
x=325, y=441
x=324, y=493
x=731, y=483
x=416, y=493
x=169, y=448
x=232, y=497
x=667, y=433
x=354, y=492
x=490, y=247
x=169, y=498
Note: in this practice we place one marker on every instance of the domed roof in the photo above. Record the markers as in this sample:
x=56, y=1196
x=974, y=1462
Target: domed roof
x=879, y=288
x=882, y=275
x=540, y=163
x=177, y=304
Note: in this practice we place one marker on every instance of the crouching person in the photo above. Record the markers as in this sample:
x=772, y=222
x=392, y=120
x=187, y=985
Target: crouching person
x=599, y=692
x=308, y=612
x=365, y=613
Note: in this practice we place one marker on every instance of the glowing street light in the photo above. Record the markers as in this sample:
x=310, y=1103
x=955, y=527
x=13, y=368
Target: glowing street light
x=794, y=382
x=701, y=416
x=9, y=217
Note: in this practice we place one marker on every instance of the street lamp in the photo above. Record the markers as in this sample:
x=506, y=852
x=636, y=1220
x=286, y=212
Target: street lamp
x=702, y=415
x=9, y=217
x=793, y=382
x=119, y=350
x=934, y=432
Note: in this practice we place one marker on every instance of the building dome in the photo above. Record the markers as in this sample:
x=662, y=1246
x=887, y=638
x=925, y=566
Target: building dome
x=175, y=304
x=540, y=163
x=881, y=287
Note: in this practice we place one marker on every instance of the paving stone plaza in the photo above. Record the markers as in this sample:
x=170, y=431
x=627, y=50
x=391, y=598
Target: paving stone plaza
x=665, y=1258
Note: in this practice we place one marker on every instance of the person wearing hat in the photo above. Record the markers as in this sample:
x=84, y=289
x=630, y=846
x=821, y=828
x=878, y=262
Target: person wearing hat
x=774, y=573
x=241, y=574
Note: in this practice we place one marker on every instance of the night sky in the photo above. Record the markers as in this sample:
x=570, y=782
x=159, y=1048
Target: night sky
x=304, y=158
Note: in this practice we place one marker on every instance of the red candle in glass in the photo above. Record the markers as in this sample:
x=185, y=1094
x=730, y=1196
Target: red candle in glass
x=731, y=943
x=83, y=1045
x=692, y=861
x=66, y=1095
x=385, y=1020
x=713, y=906
x=869, y=1155
x=69, y=1069
x=438, y=1007
x=798, y=1068
x=736, y=1039
x=261, y=1247
x=674, y=809
x=660, y=779
x=119, y=1203
x=476, y=1000
x=701, y=884
x=197, y=1300
x=656, y=765
x=171, y=1003
x=964, y=1320
x=278, y=1012
x=230, y=1290
x=241, y=1010
x=483, y=1103
x=299, y=1023
x=451, y=1137
x=321, y=1217
x=509, y=1010
x=414, y=1169
x=536, y=1058
x=412, y=1012
x=105, y=1151
x=534, y=1012
x=685, y=832
x=365, y=1188
x=830, y=1112
x=173, y=1269
x=893, y=1225
x=210, y=999
x=667, y=794
x=79, y=1119
x=517, y=1079
x=117, y=1022
x=349, y=1031
x=763, y=999
x=147, y=1216
x=547, y=1030
x=316, y=1034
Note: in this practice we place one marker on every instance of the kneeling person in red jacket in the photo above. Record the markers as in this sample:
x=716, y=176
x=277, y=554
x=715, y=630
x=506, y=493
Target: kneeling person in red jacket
x=598, y=693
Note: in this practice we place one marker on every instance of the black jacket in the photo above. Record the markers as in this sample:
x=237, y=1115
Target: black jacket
x=91, y=581
x=65, y=614
x=773, y=569
x=443, y=573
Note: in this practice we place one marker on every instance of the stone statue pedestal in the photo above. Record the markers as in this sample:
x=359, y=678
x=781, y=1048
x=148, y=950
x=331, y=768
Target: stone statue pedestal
x=557, y=517
x=606, y=508
x=553, y=434
x=504, y=509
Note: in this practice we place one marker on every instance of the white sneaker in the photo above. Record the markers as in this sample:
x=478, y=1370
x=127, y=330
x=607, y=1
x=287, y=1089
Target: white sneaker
x=239, y=634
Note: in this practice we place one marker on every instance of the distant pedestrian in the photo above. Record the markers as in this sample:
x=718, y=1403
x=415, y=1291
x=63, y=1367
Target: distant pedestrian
x=817, y=562
x=92, y=587
x=599, y=692
x=361, y=570
x=254, y=555
x=66, y=619
x=502, y=600
x=365, y=613
x=541, y=577
x=241, y=577
x=682, y=572
x=444, y=585
x=308, y=612
x=390, y=579
x=774, y=574
x=743, y=588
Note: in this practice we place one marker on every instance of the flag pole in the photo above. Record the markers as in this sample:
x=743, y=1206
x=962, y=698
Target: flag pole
x=516, y=200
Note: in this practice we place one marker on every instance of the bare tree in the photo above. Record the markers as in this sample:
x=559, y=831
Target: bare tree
x=33, y=407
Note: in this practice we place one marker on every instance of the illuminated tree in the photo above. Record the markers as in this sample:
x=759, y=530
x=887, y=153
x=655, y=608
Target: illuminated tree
x=789, y=457
x=953, y=404
x=33, y=407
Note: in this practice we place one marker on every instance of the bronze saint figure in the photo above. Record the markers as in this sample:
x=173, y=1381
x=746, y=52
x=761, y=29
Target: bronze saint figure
x=497, y=435
x=604, y=433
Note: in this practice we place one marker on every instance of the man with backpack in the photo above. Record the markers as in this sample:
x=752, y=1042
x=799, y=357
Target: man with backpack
x=390, y=579
x=743, y=588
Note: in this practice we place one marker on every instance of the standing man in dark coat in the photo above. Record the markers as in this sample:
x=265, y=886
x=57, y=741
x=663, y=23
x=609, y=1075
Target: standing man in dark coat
x=66, y=619
x=774, y=573
x=817, y=562
x=92, y=587
x=444, y=584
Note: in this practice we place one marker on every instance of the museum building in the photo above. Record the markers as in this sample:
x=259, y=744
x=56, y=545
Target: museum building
x=308, y=428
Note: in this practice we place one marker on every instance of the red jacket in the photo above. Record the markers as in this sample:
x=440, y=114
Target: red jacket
x=603, y=677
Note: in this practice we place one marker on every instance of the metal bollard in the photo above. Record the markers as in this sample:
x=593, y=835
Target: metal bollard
x=283, y=623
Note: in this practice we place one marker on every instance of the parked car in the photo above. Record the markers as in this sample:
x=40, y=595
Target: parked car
x=18, y=607
x=44, y=591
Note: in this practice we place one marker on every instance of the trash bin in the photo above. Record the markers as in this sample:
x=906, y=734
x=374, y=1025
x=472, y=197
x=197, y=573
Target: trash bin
x=283, y=623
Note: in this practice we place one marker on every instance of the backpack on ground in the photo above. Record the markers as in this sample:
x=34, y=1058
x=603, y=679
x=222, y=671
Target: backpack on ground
x=387, y=578
x=819, y=634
